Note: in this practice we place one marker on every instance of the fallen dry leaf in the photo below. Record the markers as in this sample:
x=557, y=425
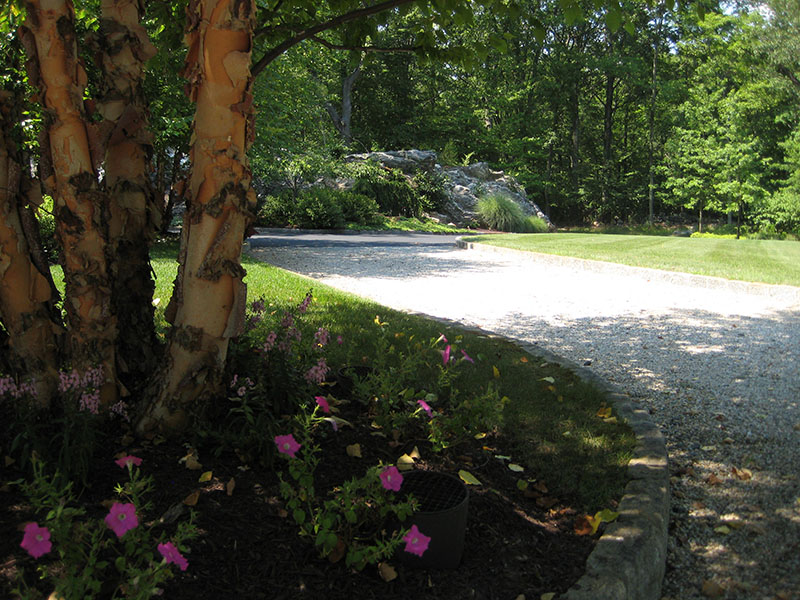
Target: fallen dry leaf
x=405, y=463
x=387, y=572
x=583, y=525
x=205, y=477
x=229, y=486
x=191, y=499
x=742, y=474
x=711, y=589
x=337, y=553
x=9, y=461
x=604, y=412
x=540, y=486
x=546, y=501
x=191, y=462
x=722, y=529
x=713, y=480
x=468, y=478
x=354, y=450
x=547, y=596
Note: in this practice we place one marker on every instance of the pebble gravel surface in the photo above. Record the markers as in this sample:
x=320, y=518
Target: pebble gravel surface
x=718, y=369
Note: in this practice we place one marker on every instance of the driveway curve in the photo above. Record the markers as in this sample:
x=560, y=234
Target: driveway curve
x=717, y=366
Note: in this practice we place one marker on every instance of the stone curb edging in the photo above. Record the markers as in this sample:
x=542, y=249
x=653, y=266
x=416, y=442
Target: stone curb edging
x=629, y=559
x=789, y=292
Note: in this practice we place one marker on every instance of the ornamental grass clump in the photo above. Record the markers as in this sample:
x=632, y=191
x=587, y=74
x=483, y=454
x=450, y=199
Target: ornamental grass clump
x=115, y=556
x=501, y=213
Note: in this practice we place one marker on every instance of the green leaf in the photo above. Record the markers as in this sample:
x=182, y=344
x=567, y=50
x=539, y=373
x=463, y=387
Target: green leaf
x=614, y=19
x=299, y=516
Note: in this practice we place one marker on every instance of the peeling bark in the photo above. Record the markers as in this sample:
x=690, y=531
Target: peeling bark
x=54, y=67
x=207, y=307
x=27, y=294
x=134, y=216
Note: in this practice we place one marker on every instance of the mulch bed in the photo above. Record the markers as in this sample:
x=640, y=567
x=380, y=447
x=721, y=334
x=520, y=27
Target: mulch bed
x=516, y=543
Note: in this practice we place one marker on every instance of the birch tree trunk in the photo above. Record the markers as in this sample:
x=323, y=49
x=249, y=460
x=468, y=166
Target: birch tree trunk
x=134, y=216
x=55, y=69
x=27, y=293
x=207, y=307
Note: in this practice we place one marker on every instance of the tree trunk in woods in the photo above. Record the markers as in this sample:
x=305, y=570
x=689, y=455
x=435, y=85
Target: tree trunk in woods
x=575, y=135
x=651, y=185
x=54, y=68
x=207, y=307
x=27, y=292
x=608, y=137
x=342, y=122
x=134, y=216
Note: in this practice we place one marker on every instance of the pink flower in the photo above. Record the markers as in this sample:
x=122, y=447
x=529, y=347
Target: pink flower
x=446, y=355
x=323, y=404
x=467, y=357
x=36, y=540
x=426, y=407
x=121, y=518
x=171, y=555
x=287, y=444
x=128, y=460
x=416, y=541
x=391, y=479
x=339, y=340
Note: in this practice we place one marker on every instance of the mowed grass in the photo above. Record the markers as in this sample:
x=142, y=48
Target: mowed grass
x=764, y=261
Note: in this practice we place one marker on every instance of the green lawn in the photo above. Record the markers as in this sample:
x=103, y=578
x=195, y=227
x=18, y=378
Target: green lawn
x=765, y=261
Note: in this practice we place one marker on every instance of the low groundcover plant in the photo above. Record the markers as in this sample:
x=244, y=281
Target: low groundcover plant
x=114, y=555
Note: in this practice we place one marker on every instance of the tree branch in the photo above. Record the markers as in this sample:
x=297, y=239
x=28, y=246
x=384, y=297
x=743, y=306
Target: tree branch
x=376, y=49
x=320, y=27
x=783, y=70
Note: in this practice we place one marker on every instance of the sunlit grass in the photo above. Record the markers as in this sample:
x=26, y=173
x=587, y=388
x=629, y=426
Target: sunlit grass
x=764, y=261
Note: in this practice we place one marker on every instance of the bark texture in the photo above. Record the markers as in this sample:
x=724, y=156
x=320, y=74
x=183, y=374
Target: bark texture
x=27, y=293
x=134, y=216
x=207, y=307
x=55, y=69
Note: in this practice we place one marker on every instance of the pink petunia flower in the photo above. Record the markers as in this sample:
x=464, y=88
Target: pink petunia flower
x=128, y=460
x=287, y=444
x=446, y=355
x=36, y=540
x=172, y=555
x=122, y=518
x=467, y=357
x=323, y=404
x=391, y=479
x=416, y=541
x=426, y=407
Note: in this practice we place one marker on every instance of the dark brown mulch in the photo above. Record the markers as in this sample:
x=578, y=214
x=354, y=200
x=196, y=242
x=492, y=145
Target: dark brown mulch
x=248, y=548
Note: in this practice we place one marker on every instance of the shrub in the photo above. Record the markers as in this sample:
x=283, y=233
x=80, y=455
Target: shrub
x=358, y=208
x=389, y=187
x=318, y=208
x=276, y=211
x=430, y=188
x=501, y=213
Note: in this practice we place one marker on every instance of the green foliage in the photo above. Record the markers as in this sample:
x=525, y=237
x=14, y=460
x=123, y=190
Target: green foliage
x=91, y=557
x=501, y=213
x=390, y=188
x=317, y=208
x=355, y=515
x=47, y=228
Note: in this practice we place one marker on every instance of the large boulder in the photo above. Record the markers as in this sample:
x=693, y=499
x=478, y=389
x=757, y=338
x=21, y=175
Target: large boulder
x=464, y=185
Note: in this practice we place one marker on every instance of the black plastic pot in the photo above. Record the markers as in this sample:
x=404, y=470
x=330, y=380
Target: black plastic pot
x=442, y=516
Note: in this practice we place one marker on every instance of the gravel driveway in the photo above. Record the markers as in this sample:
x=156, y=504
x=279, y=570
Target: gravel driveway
x=717, y=366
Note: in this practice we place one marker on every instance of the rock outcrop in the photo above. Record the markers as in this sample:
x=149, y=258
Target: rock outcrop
x=464, y=185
